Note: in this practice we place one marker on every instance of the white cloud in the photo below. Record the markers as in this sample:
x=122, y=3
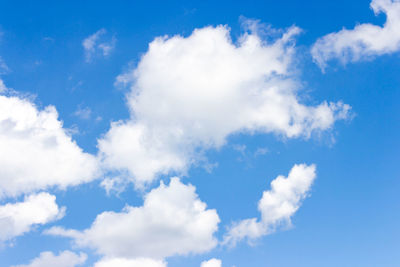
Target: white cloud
x=122, y=262
x=188, y=94
x=106, y=48
x=115, y=185
x=365, y=40
x=92, y=45
x=211, y=263
x=19, y=218
x=172, y=221
x=261, y=151
x=64, y=259
x=36, y=151
x=276, y=206
x=83, y=112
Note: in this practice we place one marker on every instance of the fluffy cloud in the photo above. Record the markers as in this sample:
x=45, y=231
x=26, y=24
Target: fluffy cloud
x=365, y=40
x=172, y=221
x=276, y=206
x=92, y=45
x=36, y=151
x=19, y=218
x=64, y=259
x=122, y=262
x=188, y=94
x=211, y=263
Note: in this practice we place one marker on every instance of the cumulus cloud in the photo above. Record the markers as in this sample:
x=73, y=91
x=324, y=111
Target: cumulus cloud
x=276, y=206
x=64, y=259
x=211, y=263
x=122, y=262
x=172, y=221
x=94, y=44
x=36, y=151
x=188, y=94
x=19, y=218
x=364, y=41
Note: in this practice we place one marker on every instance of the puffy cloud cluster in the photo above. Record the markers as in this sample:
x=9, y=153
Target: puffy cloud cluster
x=19, y=218
x=36, y=151
x=188, y=94
x=64, y=259
x=365, y=40
x=172, y=221
x=276, y=206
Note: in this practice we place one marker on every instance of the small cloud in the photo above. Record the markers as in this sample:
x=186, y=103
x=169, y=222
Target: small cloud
x=248, y=155
x=260, y=151
x=209, y=167
x=106, y=48
x=75, y=86
x=277, y=206
x=83, y=113
x=114, y=185
x=96, y=44
x=189, y=11
x=73, y=130
x=240, y=148
x=48, y=39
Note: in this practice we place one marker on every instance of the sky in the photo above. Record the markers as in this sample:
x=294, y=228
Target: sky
x=199, y=133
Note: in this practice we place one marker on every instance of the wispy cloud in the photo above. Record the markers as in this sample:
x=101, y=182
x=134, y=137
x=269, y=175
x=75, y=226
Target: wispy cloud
x=83, y=113
x=98, y=44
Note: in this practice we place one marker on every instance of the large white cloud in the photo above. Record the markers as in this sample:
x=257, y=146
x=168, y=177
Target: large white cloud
x=19, y=218
x=64, y=259
x=276, y=206
x=211, y=263
x=36, y=151
x=190, y=93
x=365, y=40
x=123, y=262
x=172, y=221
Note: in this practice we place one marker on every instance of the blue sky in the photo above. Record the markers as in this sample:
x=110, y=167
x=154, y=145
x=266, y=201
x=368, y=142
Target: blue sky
x=280, y=119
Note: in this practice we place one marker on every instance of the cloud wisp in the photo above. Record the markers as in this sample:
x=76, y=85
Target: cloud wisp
x=96, y=44
x=364, y=41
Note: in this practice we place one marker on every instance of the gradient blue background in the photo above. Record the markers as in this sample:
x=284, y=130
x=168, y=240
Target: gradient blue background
x=353, y=215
